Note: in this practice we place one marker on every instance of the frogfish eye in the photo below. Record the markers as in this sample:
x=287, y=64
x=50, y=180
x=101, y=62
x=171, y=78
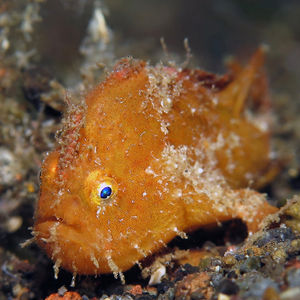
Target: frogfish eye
x=105, y=191
x=99, y=190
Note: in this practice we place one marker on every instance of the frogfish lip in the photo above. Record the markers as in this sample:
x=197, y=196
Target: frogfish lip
x=45, y=229
x=70, y=246
x=65, y=215
x=52, y=230
x=56, y=236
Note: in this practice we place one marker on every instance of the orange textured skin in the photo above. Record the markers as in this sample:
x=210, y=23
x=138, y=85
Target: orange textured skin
x=180, y=150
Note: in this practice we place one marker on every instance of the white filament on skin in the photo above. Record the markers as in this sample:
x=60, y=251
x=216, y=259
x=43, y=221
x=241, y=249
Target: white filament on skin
x=115, y=269
x=56, y=267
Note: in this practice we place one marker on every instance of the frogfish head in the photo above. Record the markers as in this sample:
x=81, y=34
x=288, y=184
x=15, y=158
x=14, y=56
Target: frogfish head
x=89, y=220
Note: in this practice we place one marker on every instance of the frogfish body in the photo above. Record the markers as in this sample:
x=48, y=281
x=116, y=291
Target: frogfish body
x=151, y=153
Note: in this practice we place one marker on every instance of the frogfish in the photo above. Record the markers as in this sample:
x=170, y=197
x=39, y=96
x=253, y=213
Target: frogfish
x=152, y=153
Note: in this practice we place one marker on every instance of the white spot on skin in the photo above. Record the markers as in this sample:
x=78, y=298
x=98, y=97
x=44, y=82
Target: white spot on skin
x=150, y=171
x=193, y=110
x=215, y=100
x=139, y=250
x=231, y=167
x=178, y=193
x=200, y=171
x=168, y=101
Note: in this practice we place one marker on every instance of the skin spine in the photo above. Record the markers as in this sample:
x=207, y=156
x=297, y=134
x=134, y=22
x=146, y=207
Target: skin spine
x=169, y=150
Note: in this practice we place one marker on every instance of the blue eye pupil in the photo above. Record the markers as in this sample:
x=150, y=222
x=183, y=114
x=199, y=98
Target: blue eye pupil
x=105, y=192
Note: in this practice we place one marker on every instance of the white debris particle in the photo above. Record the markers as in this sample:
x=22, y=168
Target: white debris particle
x=56, y=267
x=30, y=16
x=149, y=171
x=157, y=275
x=98, y=28
x=163, y=87
x=215, y=100
x=5, y=44
x=164, y=127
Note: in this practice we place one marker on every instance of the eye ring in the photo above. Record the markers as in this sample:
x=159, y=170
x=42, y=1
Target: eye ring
x=99, y=190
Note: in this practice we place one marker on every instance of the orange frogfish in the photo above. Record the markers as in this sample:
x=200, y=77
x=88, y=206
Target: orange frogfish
x=154, y=152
